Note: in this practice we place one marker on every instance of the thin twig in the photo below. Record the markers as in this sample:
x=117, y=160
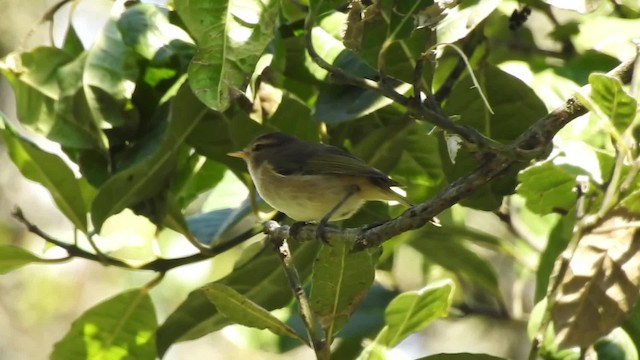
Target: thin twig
x=419, y=110
x=277, y=235
x=159, y=264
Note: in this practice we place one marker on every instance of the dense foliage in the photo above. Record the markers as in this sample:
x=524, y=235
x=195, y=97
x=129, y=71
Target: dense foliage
x=474, y=106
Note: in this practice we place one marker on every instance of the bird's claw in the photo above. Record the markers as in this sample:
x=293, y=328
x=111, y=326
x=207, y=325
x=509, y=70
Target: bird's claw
x=321, y=233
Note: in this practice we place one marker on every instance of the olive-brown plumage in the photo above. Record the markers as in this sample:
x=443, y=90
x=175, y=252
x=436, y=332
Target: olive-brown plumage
x=310, y=182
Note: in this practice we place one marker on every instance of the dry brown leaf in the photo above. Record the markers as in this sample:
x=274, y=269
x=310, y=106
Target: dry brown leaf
x=602, y=283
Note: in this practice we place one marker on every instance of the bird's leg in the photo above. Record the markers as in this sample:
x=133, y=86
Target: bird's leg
x=320, y=231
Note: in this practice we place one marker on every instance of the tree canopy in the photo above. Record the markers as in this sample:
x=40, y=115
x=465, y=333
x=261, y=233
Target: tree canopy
x=516, y=123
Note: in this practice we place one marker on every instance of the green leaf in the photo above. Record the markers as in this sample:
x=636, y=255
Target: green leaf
x=243, y=311
x=413, y=310
x=50, y=171
x=460, y=356
x=204, y=176
x=616, y=345
x=72, y=44
x=147, y=177
x=464, y=18
x=548, y=187
x=632, y=325
x=13, y=257
x=50, y=98
x=340, y=281
x=231, y=36
x=615, y=103
x=119, y=328
x=260, y=279
x=110, y=76
x=454, y=256
x=338, y=104
x=556, y=243
x=148, y=31
x=519, y=102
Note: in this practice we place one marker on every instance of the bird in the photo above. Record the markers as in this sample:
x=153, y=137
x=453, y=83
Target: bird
x=311, y=182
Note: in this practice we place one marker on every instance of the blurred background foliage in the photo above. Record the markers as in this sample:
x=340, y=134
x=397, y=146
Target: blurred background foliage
x=138, y=150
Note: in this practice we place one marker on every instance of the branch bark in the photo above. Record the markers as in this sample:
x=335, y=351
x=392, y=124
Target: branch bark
x=532, y=144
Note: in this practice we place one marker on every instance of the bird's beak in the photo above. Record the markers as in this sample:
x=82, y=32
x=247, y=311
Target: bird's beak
x=242, y=154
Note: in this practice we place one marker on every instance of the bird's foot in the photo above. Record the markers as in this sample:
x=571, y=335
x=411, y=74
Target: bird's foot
x=321, y=233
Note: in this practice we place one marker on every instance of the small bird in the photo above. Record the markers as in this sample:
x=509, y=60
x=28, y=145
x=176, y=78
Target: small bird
x=313, y=182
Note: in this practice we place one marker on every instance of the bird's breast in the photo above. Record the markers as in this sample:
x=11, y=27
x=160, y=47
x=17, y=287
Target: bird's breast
x=307, y=197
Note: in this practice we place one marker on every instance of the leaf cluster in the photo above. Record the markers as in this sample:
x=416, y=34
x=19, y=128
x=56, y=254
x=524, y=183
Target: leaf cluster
x=425, y=91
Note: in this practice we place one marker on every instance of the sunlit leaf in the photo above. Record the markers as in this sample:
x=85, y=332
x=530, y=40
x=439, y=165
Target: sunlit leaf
x=197, y=316
x=149, y=32
x=50, y=99
x=462, y=19
x=414, y=310
x=49, y=171
x=110, y=77
x=612, y=100
x=245, y=312
x=602, y=284
x=548, y=187
x=13, y=257
x=409, y=312
x=122, y=327
x=231, y=36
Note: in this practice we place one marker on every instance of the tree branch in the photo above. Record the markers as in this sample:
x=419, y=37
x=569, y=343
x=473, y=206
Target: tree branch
x=418, y=109
x=533, y=143
x=277, y=236
x=158, y=265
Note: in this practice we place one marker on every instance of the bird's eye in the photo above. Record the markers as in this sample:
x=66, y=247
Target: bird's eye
x=258, y=147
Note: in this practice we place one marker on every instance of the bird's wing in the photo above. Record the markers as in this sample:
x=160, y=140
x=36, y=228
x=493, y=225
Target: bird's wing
x=343, y=163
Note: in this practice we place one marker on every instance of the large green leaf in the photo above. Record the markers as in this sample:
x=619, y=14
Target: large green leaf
x=514, y=111
x=340, y=281
x=231, y=35
x=243, y=311
x=462, y=19
x=109, y=78
x=49, y=96
x=407, y=313
x=119, y=328
x=13, y=257
x=50, y=171
x=548, y=187
x=613, y=101
x=260, y=279
x=150, y=175
x=148, y=31
x=414, y=310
